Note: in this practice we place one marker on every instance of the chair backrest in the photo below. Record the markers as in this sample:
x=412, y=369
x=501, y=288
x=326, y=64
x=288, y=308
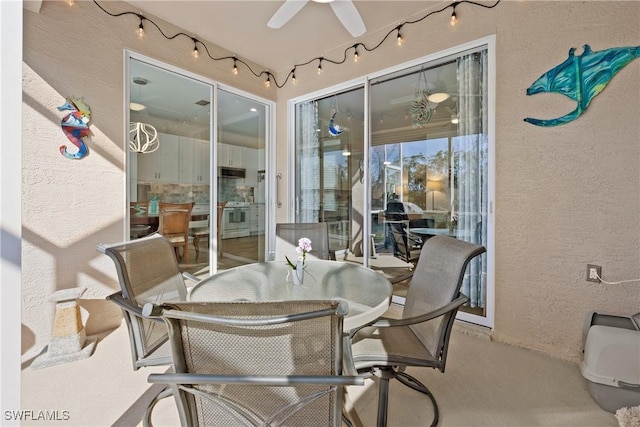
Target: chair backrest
x=199, y=224
x=148, y=272
x=436, y=282
x=174, y=221
x=288, y=234
x=241, y=347
x=400, y=241
x=395, y=211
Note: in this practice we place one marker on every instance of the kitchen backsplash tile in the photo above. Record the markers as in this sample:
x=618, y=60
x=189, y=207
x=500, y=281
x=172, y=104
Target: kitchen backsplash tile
x=173, y=193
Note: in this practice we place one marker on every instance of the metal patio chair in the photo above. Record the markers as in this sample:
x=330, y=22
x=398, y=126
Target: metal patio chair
x=420, y=337
x=247, y=363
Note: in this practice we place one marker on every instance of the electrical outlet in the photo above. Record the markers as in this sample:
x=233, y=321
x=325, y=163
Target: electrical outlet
x=594, y=273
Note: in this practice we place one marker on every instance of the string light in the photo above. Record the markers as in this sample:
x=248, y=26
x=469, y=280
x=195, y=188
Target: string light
x=196, y=53
x=293, y=76
x=399, y=38
x=454, y=17
x=140, y=27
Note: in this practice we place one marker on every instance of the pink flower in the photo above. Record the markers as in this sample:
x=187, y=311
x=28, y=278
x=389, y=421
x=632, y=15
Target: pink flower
x=304, y=246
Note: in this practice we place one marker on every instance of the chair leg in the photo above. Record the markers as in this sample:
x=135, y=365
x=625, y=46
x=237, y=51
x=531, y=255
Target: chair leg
x=196, y=245
x=413, y=383
x=146, y=419
x=185, y=251
x=384, y=374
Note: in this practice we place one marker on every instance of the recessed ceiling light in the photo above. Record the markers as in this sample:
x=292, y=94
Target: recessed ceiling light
x=134, y=106
x=253, y=109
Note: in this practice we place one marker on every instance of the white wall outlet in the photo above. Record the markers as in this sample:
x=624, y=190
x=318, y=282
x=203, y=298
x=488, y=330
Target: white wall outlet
x=594, y=273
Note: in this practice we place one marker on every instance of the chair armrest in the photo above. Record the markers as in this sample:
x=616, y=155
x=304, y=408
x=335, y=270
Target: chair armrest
x=387, y=323
x=267, y=380
x=401, y=278
x=125, y=304
x=191, y=277
x=128, y=306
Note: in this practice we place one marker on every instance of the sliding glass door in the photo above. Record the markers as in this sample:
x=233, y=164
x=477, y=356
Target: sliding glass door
x=328, y=163
x=429, y=164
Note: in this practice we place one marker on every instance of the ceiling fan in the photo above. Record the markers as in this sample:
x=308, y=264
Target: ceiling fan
x=345, y=10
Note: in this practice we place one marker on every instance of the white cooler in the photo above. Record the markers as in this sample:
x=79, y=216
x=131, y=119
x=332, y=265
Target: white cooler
x=611, y=361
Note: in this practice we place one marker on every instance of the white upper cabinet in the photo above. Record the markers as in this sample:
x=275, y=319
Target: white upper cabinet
x=231, y=155
x=162, y=165
x=194, y=161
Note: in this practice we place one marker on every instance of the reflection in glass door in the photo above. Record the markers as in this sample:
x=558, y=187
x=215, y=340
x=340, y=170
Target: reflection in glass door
x=429, y=166
x=329, y=166
x=241, y=201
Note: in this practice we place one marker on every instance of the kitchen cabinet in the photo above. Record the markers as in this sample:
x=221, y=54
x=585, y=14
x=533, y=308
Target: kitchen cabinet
x=231, y=155
x=256, y=218
x=194, y=161
x=163, y=164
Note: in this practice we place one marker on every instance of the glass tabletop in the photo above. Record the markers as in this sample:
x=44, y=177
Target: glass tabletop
x=367, y=292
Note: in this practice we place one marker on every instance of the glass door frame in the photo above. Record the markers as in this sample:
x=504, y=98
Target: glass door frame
x=490, y=43
x=270, y=134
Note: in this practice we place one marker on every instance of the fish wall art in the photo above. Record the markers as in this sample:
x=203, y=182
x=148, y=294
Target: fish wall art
x=75, y=126
x=581, y=78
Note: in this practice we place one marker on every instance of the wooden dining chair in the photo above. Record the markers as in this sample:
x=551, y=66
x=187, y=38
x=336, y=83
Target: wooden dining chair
x=199, y=229
x=174, y=225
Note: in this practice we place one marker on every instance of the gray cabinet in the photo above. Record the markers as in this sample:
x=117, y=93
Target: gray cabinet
x=257, y=218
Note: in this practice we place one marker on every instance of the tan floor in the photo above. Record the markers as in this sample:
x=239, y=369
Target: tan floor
x=485, y=384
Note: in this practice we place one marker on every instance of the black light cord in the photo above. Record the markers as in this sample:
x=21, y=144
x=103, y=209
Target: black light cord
x=270, y=76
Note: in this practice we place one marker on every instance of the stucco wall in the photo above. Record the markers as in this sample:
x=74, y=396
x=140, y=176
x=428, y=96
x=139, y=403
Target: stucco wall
x=565, y=196
x=71, y=205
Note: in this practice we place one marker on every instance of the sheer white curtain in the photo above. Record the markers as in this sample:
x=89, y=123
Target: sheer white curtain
x=308, y=163
x=469, y=162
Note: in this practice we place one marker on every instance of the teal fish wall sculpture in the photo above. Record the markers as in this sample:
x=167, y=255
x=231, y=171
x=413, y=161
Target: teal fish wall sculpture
x=581, y=78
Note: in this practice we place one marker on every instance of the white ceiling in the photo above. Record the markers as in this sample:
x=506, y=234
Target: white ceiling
x=241, y=26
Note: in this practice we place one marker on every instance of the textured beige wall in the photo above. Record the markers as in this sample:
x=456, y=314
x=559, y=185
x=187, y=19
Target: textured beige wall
x=565, y=196
x=71, y=205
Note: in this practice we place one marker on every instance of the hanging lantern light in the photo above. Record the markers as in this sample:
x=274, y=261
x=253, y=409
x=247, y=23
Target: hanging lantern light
x=143, y=138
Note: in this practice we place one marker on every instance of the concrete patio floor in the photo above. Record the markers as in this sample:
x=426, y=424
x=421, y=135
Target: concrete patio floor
x=485, y=384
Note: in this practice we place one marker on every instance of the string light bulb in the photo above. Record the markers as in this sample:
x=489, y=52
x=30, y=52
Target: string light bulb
x=71, y=2
x=400, y=40
x=454, y=17
x=140, y=28
x=267, y=83
x=195, y=52
x=355, y=52
x=293, y=76
x=235, y=67
x=320, y=65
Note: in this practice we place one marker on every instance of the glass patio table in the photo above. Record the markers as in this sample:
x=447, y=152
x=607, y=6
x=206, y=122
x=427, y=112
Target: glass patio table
x=367, y=292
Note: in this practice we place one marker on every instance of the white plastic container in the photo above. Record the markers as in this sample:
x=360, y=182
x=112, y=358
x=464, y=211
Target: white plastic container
x=611, y=362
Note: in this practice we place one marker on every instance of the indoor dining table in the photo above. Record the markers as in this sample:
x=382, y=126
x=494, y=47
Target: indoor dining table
x=367, y=292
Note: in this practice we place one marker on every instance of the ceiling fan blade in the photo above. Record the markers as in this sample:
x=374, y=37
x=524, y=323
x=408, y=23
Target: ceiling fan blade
x=347, y=13
x=287, y=11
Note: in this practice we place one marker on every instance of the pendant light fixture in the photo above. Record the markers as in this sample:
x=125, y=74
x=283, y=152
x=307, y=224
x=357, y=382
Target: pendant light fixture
x=143, y=138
